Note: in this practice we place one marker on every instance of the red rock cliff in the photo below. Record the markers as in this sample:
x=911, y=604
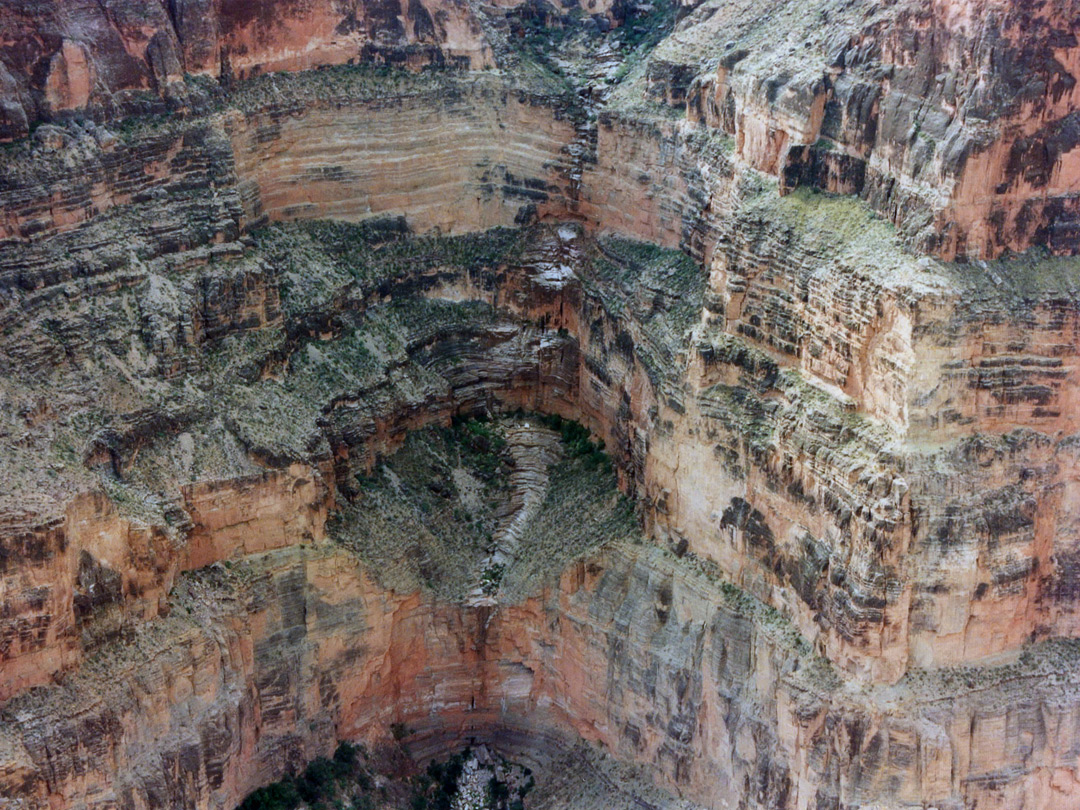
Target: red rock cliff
x=856, y=465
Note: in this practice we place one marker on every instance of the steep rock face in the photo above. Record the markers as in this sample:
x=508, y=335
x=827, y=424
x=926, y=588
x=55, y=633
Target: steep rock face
x=72, y=586
x=456, y=161
x=878, y=102
x=261, y=513
x=1000, y=337
x=691, y=667
x=877, y=446
x=799, y=496
x=86, y=576
x=630, y=398
x=103, y=187
x=934, y=356
x=105, y=60
x=264, y=664
x=346, y=145
x=955, y=120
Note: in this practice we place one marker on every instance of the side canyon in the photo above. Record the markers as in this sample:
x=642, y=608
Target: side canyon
x=680, y=399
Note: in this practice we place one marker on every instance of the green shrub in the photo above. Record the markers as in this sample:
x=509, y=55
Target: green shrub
x=441, y=782
x=346, y=755
x=498, y=792
x=578, y=441
x=320, y=783
x=484, y=443
x=278, y=796
x=491, y=577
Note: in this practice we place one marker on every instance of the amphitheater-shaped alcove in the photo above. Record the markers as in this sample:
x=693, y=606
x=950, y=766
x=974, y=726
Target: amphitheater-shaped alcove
x=480, y=405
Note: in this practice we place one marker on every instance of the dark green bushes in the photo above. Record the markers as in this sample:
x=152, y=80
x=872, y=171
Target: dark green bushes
x=281, y=795
x=485, y=443
x=435, y=790
x=491, y=578
x=498, y=792
x=323, y=781
x=644, y=26
x=578, y=441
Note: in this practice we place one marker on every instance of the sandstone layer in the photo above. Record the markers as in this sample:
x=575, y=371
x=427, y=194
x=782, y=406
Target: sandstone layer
x=953, y=119
x=849, y=579
x=117, y=57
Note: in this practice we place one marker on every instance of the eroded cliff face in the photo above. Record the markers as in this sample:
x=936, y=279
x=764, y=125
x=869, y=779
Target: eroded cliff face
x=457, y=153
x=955, y=119
x=949, y=118
x=103, y=60
x=260, y=664
x=549, y=321
x=855, y=466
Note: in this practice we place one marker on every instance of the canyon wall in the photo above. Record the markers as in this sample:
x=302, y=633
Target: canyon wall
x=454, y=161
x=457, y=154
x=950, y=118
x=572, y=339
x=855, y=465
x=955, y=120
x=127, y=57
x=876, y=377
x=262, y=664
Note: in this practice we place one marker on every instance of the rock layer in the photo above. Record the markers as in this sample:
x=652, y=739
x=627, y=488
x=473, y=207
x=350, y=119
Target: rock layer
x=604, y=354
x=949, y=118
x=105, y=60
x=855, y=466
x=261, y=664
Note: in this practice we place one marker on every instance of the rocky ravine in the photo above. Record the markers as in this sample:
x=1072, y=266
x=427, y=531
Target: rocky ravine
x=224, y=546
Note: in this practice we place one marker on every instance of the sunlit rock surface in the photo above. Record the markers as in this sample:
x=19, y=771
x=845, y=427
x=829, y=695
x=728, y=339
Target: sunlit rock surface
x=805, y=272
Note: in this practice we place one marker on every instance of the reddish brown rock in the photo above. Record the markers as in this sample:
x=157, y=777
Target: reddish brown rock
x=858, y=465
x=953, y=119
x=88, y=58
x=294, y=648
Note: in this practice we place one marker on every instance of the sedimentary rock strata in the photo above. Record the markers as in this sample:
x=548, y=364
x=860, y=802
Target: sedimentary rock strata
x=285, y=364
x=62, y=57
x=950, y=118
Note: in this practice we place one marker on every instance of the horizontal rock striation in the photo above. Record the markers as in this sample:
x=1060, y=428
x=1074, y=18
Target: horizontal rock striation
x=950, y=118
x=954, y=120
x=456, y=159
x=130, y=57
x=279, y=154
x=855, y=466
x=797, y=495
x=262, y=664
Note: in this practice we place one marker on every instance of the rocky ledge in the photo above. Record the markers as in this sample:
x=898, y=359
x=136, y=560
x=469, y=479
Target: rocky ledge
x=638, y=393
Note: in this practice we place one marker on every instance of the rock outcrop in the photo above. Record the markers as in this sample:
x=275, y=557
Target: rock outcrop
x=848, y=577
x=953, y=119
x=118, y=58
